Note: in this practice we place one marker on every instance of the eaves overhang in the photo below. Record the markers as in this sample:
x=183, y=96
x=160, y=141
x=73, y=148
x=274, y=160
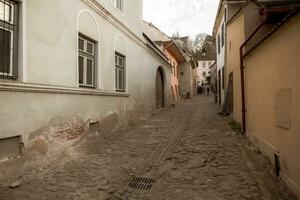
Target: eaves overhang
x=174, y=50
x=152, y=46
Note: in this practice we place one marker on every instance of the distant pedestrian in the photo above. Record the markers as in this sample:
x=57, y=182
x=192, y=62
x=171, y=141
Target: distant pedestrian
x=207, y=90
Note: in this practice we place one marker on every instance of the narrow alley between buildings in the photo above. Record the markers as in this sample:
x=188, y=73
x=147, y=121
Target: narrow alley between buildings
x=187, y=152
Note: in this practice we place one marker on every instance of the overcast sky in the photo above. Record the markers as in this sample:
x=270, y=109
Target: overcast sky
x=190, y=17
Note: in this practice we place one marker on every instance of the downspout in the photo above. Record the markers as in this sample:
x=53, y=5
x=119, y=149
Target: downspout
x=264, y=18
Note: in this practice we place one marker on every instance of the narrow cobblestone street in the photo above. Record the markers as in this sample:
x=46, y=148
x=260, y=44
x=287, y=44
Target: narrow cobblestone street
x=188, y=150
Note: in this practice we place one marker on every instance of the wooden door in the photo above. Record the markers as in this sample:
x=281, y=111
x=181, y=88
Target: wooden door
x=159, y=89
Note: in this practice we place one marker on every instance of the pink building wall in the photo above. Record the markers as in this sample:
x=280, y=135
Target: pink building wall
x=174, y=77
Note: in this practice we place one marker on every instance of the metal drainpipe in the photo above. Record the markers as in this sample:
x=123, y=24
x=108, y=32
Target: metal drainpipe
x=242, y=71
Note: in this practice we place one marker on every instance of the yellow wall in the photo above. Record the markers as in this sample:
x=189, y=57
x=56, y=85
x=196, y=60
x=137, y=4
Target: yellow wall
x=235, y=37
x=272, y=67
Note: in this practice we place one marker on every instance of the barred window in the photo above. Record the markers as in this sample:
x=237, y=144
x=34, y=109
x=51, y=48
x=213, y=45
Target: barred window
x=120, y=62
x=8, y=39
x=86, y=61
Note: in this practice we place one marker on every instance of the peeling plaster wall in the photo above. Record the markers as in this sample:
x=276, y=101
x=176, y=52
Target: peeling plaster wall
x=52, y=30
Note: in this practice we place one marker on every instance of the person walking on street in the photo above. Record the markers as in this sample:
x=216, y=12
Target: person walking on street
x=207, y=90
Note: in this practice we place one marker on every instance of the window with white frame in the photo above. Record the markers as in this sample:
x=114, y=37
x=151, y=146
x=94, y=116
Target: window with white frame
x=203, y=64
x=120, y=65
x=8, y=39
x=119, y=4
x=86, y=61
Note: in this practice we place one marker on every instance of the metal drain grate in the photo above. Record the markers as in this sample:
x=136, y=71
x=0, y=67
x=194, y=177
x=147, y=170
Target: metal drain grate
x=141, y=183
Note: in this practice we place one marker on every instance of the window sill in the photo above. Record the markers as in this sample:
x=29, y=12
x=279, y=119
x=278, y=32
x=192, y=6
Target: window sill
x=87, y=87
x=50, y=89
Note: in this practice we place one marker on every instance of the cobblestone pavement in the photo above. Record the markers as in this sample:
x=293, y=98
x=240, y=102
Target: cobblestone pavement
x=188, y=150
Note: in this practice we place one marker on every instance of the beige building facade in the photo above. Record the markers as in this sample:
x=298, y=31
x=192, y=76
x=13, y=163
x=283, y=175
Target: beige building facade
x=85, y=59
x=235, y=37
x=226, y=10
x=272, y=94
x=188, y=78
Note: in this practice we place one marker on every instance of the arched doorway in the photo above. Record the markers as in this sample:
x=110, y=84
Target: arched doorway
x=159, y=88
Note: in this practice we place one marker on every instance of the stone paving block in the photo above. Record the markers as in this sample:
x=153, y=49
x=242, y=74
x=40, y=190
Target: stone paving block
x=188, y=149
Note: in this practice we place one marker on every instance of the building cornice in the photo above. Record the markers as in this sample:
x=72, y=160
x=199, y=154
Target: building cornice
x=50, y=89
x=287, y=19
x=217, y=18
x=155, y=48
x=99, y=9
x=220, y=13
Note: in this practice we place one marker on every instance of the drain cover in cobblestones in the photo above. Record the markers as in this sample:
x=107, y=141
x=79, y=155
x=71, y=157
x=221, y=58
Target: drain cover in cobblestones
x=141, y=183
